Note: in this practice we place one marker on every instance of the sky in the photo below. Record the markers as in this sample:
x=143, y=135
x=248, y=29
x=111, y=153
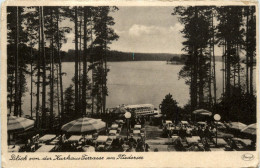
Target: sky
x=147, y=29
x=143, y=29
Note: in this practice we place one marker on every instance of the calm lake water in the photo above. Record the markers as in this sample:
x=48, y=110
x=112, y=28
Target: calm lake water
x=137, y=82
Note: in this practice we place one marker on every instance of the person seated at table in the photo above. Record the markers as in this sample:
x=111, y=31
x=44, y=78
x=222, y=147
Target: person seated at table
x=207, y=133
x=130, y=149
x=188, y=132
x=200, y=134
x=139, y=146
x=147, y=147
x=125, y=146
x=132, y=141
x=115, y=143
x=121, y=141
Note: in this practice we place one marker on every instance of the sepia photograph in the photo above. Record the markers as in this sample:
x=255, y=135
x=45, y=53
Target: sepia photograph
x=131, y=79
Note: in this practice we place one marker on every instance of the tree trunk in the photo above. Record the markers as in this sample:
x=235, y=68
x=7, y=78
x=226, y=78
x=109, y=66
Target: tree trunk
x=52, y=74
x=228, y=70
x=60, y=71
x=201, y=81
x=223, y=71
x=210, y=73
x=251, y=61
x=11, y=93
x=31, y=93
x=20, y=89
x=247, y=53
x=92, y=64
x=44, y=72
x=84, y=78
x=80, y=59
x=58, y=93
x=76, y=63
x=214, y=62
x=16, y=63
x=38, y=74
x=238, y=68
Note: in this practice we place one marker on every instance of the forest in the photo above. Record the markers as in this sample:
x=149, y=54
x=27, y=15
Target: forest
x=232, y=28
x=35, y=37
x=126, y=56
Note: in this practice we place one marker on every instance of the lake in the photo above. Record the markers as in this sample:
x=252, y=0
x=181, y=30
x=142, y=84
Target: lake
x=137, y=82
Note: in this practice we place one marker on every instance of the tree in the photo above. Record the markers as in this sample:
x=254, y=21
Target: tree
x=17, y=58
x=104, y=35
x=196, y=70
x=169, y=108
x=69, y=106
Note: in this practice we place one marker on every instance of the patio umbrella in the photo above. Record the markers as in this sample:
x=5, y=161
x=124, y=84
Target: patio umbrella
x=83, y=125
x=202, y=112
x=250, y=129
x=236, y=125
x=16, y=124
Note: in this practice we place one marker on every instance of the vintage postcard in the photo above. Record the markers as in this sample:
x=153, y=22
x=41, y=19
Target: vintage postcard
x=129, y=84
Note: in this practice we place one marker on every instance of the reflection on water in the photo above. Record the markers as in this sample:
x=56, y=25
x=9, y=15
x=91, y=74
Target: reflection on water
x=137, y=82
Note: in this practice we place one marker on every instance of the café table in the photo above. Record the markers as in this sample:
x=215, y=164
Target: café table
x=113, y=132
x=46, y=148
x=101, y=139
x=74, y=138
x=114, y=126
x=47, y=137
x=174, y=138
x=138, y=126
x=220, y=141
x=136, y=131
x=54, y=142
x=112, y=136
x=193, y=139
x=13, y=148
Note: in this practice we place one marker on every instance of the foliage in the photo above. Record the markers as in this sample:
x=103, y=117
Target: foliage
x=169, y=108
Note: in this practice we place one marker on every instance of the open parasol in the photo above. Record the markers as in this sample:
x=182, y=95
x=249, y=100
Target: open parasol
x=236, y=125
x=83, y=125
x=250, y=129
x=202, y=112
x=16, y=124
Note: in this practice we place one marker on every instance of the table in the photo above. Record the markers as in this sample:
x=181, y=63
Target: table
x=113, y=132
x=245, y=141
x=88, y=148
x=46, y=148
x=88, y=137
x=136, y=131
x=175, y=138
x=125, y=147
x=170, y=128
x=112, y=136
x=101, y=138
x=138, y=126
x=220, y=141
x=54, y=142
x=13, y=148
x=47, y=137
x=114, y=126
x=100, y=147
x=168, y=122
x=193, y=139
x=74, y=138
